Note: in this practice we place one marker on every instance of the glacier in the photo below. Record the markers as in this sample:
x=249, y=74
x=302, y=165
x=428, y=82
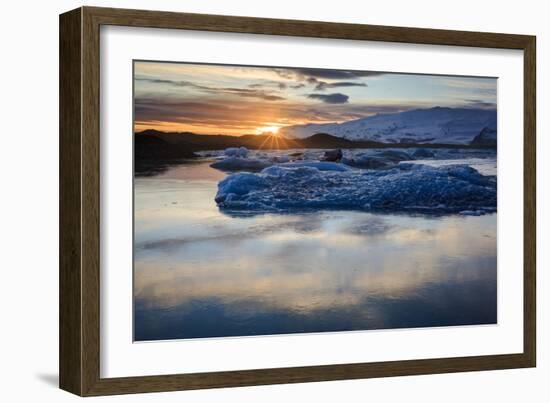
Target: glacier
x=433, y=125
x=406, y=187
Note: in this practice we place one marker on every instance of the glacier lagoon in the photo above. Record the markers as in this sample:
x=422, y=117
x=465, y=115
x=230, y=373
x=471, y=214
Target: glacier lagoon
x=206, y=268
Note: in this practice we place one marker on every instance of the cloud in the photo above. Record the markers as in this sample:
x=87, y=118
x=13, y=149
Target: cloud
x=323, y=85
x=470, y=82
x=214, y=116
x=333, y=74
x=209, y=99
x=252, y=93
x=481, y=104
x=269, y=83
x=335, y=98
x=174, y=83
x=481, y=87
x=317, y=77
x=241, y=92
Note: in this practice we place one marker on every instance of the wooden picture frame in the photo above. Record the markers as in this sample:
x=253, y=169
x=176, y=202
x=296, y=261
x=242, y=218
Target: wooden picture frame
x=79, y=346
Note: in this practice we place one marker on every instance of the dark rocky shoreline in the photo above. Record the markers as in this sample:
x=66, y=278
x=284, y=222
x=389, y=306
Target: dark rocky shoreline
x=152, y=147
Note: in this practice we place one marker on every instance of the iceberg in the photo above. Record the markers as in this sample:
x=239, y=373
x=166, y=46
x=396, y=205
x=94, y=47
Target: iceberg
x=423, y=153
x=377, y=160
x=280, y=159
x=238, y=159
x=236, y=152
x=368, y=162
x=320, y=165
x=407, y=187
x=259, y=162
x=241, y=164
x=395, y=155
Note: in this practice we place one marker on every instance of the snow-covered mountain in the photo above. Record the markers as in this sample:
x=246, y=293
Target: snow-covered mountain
x=434, y=125
x=487, y=137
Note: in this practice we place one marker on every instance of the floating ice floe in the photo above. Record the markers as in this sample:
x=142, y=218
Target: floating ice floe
x=368, y=162
x=241, y=152
x=241, y=159
x=237, y=159
x=320, y=165
x=249, y=164
x=280, y=159
x=405, y=188
x=377, y=159
x=394, y=155
x=241, y=164
x=423, y=153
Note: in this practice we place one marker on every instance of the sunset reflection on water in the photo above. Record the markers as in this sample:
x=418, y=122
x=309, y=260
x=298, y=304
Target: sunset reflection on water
x=201, y=273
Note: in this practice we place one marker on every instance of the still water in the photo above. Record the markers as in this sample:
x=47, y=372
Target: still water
x=201, y=273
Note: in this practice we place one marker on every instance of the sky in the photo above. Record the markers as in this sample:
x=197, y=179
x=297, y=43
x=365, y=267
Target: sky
x=237, y=100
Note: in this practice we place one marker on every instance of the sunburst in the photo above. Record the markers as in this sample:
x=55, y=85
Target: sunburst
x=268, y=130
x=273, y=140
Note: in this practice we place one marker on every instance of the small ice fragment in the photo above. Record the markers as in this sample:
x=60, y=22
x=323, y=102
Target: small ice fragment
x=241, y=164
x=241, y=152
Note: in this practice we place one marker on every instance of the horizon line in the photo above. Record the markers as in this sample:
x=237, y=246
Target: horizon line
x=495, y=108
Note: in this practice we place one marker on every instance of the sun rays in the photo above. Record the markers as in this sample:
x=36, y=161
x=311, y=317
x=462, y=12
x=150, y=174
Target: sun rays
x=274, y=141
x=268, y=130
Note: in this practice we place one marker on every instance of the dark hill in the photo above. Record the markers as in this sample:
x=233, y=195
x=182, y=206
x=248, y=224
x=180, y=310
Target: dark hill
x=325, y=140
x=487, y=137
x=153, y=145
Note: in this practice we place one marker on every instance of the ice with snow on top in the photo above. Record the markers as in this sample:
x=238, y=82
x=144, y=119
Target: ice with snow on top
x=377, y=159
x=404, y=188
x=368, y=162
x=320, y=165
x=256, y=160
x=232, y=164
x=241, y=152
x=432, y=125
x=236, y=159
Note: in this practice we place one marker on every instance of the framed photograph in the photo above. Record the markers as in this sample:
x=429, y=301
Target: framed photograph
x=249, y=201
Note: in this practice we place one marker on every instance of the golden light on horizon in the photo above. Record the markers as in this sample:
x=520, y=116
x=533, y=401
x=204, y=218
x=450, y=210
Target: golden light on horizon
x=268, y=130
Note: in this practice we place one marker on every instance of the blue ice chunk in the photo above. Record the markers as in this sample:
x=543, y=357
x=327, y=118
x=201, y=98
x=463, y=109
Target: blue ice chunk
x=320, y=165
x=232, y=164
x=241, y=152
x=407, y=187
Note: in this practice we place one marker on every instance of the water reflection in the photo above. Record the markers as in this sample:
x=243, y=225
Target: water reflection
x=199, y=273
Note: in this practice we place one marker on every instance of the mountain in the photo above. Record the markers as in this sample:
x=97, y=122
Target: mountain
x=154, y=146
x=487, y=137
x=150, y=144
x=418, y=126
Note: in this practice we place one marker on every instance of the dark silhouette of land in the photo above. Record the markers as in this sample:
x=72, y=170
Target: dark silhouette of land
x=153, y=145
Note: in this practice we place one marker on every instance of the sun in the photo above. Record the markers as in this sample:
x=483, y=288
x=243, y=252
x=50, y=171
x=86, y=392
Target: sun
x=268, y=129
